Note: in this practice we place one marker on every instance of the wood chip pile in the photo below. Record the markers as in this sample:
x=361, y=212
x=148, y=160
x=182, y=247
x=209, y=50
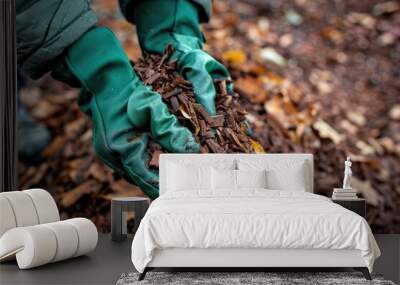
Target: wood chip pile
x=223, y=133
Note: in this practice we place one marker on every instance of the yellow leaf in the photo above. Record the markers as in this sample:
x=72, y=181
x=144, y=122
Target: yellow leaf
x=186, y=115
x=273, y=78
x=196, y=130
x=235, y=56
x=275, y=107
x=258, y=148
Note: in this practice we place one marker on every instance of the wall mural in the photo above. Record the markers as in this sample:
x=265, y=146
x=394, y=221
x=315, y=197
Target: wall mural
x=307, y=77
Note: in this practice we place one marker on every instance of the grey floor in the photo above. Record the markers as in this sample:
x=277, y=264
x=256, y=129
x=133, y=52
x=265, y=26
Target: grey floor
x=110, y=260
x=103, y=266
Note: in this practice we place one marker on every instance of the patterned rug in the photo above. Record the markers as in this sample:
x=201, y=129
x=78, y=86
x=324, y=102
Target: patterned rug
x=243, y=278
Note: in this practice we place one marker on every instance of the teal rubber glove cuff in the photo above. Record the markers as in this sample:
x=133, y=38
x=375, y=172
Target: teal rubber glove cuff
x=176, y=22
x=122, y=109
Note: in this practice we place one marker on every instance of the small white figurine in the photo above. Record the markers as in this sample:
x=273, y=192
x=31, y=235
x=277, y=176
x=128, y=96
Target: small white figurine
x=347, y=174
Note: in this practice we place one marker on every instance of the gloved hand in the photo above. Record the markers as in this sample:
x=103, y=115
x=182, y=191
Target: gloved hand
x=176, y=22
x=122, y=109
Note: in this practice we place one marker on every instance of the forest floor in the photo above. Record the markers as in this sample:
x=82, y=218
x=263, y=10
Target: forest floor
x=315, y=76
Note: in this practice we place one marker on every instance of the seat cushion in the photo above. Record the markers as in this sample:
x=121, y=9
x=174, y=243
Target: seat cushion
x=26, y=208
x=41, y=244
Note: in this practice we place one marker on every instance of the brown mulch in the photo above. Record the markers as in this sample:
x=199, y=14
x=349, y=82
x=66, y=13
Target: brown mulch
x=313, y=76
x=225, y=132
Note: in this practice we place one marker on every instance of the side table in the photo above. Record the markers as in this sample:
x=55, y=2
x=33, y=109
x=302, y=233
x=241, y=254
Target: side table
x=119, y=208
x=357, y=205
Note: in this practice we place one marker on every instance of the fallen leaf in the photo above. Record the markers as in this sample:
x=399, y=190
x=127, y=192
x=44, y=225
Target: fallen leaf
x=376, y=145
x=184, y=113
x=357, y=118
x=333, y=35
x=258, y=148
x=284, y=110
x=286, y=40
x=387, y=39
x=293, y=18
x=386, y=8
x=365, y=148
x=74, y=128
x=349, y=127
x=122, y=188
x=322, y=80
x=326, y=131
x=251, y=87
x=68, y=97
x=76, y=163
x=100, y=172
x=234, y=56
x=40, y=172
x=275, y=107
x=56, y=146
x=126, y=193
x=273, y=80
x=366, y=189
x=255, y=121
x=363, y=19
x=70, y=198
x=271, y=55
x=43, y=109
x=263, y=24
x=388, y=144
x=30, y=96
x=394, y=112
x=154, y=162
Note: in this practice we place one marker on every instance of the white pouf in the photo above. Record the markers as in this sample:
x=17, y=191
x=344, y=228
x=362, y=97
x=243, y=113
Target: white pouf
x=31, y=230
x=87, y=234
x=22, y=207
x=37, y=245
x=45, y=205
x=7, y=219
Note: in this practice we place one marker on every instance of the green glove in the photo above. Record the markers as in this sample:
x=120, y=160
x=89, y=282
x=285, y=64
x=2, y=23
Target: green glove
x=122, y=109
x=176, y=22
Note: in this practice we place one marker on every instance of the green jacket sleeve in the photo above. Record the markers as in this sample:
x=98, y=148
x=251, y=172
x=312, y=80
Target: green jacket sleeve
x=205, y=7
x=45, y=28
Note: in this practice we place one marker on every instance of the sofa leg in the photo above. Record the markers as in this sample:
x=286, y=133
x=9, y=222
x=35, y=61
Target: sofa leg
x=142, y=275
x=364, y=271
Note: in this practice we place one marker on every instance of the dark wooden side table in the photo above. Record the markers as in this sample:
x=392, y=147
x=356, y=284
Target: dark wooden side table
x=358, y=206
x=119, y=209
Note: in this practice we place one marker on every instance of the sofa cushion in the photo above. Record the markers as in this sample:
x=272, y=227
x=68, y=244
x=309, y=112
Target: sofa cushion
x=7, y=218
x=26, y=208
x=40, y=244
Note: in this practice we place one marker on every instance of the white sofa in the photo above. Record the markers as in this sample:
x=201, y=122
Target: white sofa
x=31, y=231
